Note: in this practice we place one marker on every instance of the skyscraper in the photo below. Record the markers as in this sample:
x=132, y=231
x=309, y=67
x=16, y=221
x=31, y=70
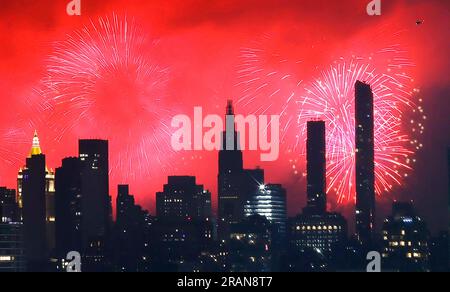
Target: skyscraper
x=9, y=209
x=270, y=202
x=49, y=193
x=316, y=168
x=405, y=240
x=231, y=168
x=365, y=163
x=131, y=230
x=68, y=207
x=34, y=209
x=316, y=230
x=183, y=199
x=12, y=257
x=96, y=202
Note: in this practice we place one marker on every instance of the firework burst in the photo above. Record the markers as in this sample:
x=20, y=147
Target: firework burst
x=267, y=84
x=273, y=82
x=331, y=98
x=103, y=81
x=12, y=140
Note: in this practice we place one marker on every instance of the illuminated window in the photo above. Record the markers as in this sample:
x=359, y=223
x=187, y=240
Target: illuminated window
x=6, y=259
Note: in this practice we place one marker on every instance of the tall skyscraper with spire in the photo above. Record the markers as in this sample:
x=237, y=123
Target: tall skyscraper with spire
x=33, y=197
x=231, y=171
x=49, y=192
x=365, y=163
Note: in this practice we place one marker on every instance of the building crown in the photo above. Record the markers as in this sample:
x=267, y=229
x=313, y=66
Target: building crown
x=36, y=147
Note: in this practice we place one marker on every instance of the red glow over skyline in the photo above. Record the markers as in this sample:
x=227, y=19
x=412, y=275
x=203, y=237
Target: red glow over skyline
x=196, y=51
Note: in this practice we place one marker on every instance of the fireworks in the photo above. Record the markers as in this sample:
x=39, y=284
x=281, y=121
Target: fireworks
x=268, y=85
x=103, y=81
x=331, y=98
x=11, y=157
x=271, y=83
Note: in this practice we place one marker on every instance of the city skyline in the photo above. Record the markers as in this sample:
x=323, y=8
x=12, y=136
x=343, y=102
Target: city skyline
x=251, y=233
x=203, y=59
x=315, y=191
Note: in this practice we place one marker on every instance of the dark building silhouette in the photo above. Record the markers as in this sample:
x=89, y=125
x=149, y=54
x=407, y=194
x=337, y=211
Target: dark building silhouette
x=49, y=193
x=131, y=234
x=271, y=202
x=34, y=213
x=250, y=246
x=183, y=199
x=231, y=168
x=365, y=163
x=448, y=172
x=68, y=207
x=316, y=168
x=314, y=235
x=439, y=253
x=96, y=202
x=96, y=219
x=12, y=253
x=317, y=233
x=9, y=209
x=236, y=185
x=405, y=240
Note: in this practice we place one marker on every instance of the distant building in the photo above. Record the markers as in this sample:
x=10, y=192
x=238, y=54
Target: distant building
x=183, y=199
x=269, y=202
x=12, y=253
x=176, y=243
x=68, y=207
x=9, y=209
x=405, y=240
x=319, y=233
x=365, y=163
x=250, y=245
x=131, y=234
x=316, y=168
x=96, y=201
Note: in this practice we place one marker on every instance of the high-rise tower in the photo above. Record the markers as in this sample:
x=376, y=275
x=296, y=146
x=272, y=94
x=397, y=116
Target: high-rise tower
x=316, y=169
x=32, y=187
x=96, y=202
x=365, y=163
x=231, y=171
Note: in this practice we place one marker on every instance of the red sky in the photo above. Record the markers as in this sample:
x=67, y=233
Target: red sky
x=200, y=42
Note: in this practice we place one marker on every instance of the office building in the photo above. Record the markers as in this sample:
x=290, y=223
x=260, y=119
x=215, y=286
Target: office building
x=34, y=202
x=405, y=240
x=231, y=168
x=68, y=207
x=183, y=199
x=365, y=163
x=316, y=230
x=49, y=193
x=96, y=202
x=271, y=203
x=12, y=253
x=9, y=209
x=316, y=169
